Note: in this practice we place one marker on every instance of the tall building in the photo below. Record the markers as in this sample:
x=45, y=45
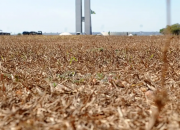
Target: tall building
x=79, y=16
x=86, y=18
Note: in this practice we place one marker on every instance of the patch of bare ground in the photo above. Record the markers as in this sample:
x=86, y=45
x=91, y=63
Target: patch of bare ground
x=89, y=83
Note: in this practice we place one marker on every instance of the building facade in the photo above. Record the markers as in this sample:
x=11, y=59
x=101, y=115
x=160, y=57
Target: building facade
x=86, y=19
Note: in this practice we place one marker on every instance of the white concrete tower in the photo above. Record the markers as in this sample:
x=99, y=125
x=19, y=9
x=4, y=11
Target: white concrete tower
x=79, y=16
x=168, y=4
x=87, y=13
x=86, y=18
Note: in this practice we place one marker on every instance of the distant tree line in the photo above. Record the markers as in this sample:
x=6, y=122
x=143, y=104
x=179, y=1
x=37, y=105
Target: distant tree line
x=173, y=29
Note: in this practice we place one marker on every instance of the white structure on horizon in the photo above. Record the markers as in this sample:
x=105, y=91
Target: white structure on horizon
x=114, y=33
x=86, y=18
x=65, y=33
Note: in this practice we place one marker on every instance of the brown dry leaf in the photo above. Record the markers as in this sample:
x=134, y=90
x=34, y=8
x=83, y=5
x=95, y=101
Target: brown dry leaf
x=19, y=92
x=119, y=84
x=89, y=82
x=144, y=89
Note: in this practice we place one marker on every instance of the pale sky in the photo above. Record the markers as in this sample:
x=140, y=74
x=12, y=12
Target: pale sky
x=17, y=16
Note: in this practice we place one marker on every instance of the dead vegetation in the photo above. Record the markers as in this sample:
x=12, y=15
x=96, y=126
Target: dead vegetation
x=89, y=82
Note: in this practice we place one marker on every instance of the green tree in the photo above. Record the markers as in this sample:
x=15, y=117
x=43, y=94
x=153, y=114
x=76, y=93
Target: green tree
x=162, y=30
x=173, y=29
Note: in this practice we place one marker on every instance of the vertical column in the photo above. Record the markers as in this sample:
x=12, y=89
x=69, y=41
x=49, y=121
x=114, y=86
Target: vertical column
x=79, y=16
x=87, y=13
x=168, y=4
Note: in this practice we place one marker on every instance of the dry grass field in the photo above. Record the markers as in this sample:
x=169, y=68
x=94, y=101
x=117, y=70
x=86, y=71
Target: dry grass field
x=89, y=83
